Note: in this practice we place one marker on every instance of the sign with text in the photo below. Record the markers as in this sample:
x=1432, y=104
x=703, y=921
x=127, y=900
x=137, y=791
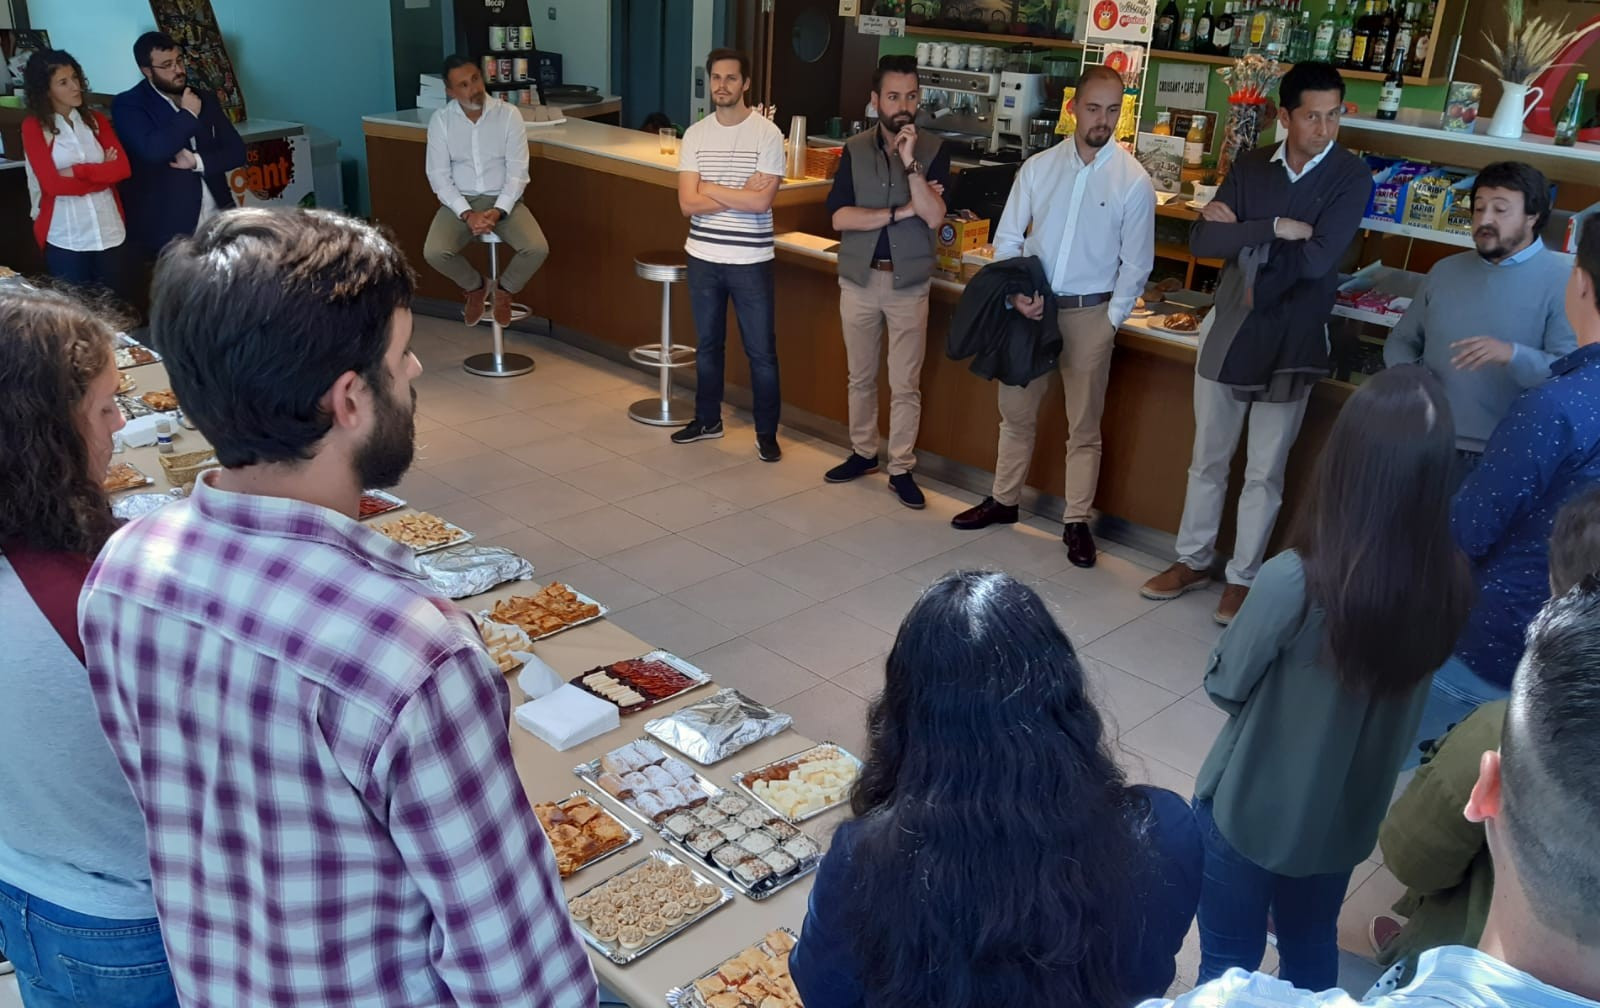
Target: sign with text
x=877, y=24
x=276, y=173
x=1162, y=157
x=1182, y=85
x=1118, y=19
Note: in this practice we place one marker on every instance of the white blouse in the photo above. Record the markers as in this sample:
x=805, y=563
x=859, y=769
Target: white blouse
x=89, y=223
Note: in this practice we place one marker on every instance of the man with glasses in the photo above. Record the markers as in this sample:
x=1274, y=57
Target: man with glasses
x=180, y=144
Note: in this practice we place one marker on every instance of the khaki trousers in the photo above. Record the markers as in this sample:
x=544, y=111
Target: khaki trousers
x=449, y=234
x=1087, y=337
x=864, y=313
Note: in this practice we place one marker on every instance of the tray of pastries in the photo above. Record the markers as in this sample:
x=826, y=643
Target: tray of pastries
x=647, y=782
x=555, y=608
x=638, y=683
x=804, y=785
x=125, y=383
x=134, y=355
x=649, y=902
x=377, y=502
x=582, y=832
x=423, y=532
x=758, y=977
x=125, y=476
x=160, y=400
x=506, y=644
x=1179, y=323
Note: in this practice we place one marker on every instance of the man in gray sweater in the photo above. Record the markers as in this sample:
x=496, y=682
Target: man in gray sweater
x=1490, y=322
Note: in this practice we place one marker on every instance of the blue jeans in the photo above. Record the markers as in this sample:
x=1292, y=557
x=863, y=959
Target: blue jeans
x=66, y=959
x=750, y=286
x=1456, y=692
x=1236, y=897
x=87, y=269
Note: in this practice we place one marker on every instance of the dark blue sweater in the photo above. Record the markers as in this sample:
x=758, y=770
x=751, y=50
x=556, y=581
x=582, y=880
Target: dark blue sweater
x=1166, y=890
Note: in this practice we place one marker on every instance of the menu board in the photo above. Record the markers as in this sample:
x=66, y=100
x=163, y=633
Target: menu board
x=193, y=25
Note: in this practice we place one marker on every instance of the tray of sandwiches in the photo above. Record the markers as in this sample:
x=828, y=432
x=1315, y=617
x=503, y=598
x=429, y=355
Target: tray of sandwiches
x=377, y=502
x=639, y=683
x=555, y=608
x=423, y=532
x=582, y=831
x=758, y=977
x=804, y=785
x=649, y=902
x=756, y=851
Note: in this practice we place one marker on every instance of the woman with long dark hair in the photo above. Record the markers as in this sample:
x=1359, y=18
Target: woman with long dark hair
x=77, y=913
x=74, y=162
x=1324, y=674
x=996, y=855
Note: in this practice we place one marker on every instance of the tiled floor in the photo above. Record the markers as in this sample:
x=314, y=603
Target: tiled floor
x=779, y=584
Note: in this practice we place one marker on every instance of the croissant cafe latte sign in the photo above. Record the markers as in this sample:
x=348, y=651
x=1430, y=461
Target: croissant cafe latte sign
x=276, y=172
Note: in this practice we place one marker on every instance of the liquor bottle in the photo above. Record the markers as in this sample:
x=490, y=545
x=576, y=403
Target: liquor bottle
x=1166, y=32
x=1366, y=27
x=1194, y=141
x=1203, y=25
x=1406, y=35
x=1424, y=34
x=1260, y=24
x=1394, y=85
x=1241, y=30
x=1383, y=32
x=1281, y=33
x=1322, y=39
x=1222, y=31
x=1572, y=118
x=1344, y=36
x=1186, y=29
x=1300, y=39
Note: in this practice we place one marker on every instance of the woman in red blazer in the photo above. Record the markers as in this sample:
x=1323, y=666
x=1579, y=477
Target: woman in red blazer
x=74, y=162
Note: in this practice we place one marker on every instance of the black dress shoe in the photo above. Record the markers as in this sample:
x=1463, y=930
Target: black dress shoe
x=1080, y=544
x=990, y=512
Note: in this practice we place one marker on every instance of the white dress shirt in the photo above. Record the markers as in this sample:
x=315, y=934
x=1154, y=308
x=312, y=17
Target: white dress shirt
x=484, y=158
x=1093, y=226
x=208, y=203
x=1281, y=155
x=89, y=223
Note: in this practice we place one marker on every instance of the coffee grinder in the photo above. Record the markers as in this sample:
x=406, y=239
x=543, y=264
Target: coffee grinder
x=1019, y=100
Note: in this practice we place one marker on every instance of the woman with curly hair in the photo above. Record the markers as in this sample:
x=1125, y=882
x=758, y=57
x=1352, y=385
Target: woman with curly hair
x=997, y=855
x=74, y=162
x=77, y=916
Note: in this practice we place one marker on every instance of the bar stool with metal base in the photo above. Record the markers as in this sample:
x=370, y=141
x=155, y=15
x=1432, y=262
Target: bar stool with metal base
x=497, y=363
x=666, y=268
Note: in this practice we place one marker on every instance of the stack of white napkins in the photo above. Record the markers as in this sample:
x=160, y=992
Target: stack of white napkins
x=568, y=717
x=140, y=432
x=536, y=678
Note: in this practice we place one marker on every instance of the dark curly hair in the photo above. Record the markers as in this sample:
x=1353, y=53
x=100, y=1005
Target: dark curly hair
x=51, y=348
x=997, y=838
x=43, y=65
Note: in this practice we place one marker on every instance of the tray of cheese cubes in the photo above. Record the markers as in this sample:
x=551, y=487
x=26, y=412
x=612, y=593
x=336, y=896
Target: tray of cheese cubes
x=804, y=785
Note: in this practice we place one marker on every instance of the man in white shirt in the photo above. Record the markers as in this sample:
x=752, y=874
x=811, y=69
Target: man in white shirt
x=477, y=164
x=1091, y=209
x=729, y=168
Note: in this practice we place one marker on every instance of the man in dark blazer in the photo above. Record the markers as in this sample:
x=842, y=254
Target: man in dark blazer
x=180, y=144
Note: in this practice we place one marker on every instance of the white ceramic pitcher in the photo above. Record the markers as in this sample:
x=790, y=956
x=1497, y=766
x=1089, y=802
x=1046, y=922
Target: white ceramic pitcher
x=1513, y=109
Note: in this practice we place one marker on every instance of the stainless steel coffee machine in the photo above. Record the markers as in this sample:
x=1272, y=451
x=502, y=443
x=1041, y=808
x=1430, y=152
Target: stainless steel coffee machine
x=959, y=105
x=1020, y=97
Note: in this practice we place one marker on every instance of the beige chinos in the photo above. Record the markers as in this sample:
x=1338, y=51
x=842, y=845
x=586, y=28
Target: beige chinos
x=864, y=315
x=449, y=234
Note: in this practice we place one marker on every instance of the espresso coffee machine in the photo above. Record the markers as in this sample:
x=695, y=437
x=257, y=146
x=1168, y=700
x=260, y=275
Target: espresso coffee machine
x=959, y=106
x=1020, y=97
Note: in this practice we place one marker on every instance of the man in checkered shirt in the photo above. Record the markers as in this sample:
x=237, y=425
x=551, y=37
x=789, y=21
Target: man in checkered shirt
x=318, y=741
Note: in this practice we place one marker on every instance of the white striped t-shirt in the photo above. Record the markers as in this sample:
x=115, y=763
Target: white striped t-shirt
x=728, y=156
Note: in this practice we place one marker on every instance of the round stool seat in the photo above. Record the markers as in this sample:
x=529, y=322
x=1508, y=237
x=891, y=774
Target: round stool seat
x=666, y=266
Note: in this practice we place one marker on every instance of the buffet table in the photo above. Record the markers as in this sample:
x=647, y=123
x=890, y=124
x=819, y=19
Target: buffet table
x=547, y=775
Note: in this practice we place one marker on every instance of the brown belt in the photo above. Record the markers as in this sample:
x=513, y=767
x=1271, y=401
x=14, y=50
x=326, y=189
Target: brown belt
x=886, y=265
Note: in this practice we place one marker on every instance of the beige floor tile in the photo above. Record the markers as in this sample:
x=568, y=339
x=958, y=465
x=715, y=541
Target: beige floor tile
x=817, y=512
x=1142, y=769
x=670, y=563
x=755, y=671
x=1192, y=614
x=828, y=712
x=461, y=407
x=865, y=680
x=679, y=506
x=756, y=483
x=545, y=499
x=669, y=625
x=1111, y=576
x=823, y=639
x=1179, y=736
x=819, y=570
x=871, y=494
x=575, y=416
x=509, y=431
x=897, y=541
x=602, y=531
x=446, y=445
x=1125, y=700
x=1085, y=618
x=630, y=439
x=1374, y=896
x=1157, y=654
x=550, y=557
x=423, y=490
x=482, y=520
x=558, y=455
x=742, y=600
x=617, y=479
x=611, y=588
x=882, y=603
x=1017, y=550
x=485, y=473
x=691, y=461
x=425, y=423
x=746, y=537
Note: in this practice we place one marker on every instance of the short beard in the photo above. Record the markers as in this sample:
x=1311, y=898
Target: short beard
x=171, y=89
x=383, y=459
x=898, y=121
x=1089, y=137
x=732, y=102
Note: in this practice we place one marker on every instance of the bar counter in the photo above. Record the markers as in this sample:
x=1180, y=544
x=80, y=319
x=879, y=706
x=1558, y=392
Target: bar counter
x=604, y=194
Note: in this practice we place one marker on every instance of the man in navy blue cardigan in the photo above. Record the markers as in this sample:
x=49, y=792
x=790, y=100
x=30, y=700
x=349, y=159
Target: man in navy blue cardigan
x=180, y=144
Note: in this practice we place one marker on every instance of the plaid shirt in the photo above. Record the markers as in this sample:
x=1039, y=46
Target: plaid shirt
x=320, y=749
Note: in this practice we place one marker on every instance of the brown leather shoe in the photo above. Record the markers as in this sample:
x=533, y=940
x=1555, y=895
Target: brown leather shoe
x=1233, y=597
x=990, y=512
x=1174, y=581
x=472, y=310
x=502, y=306
x=1080, y=544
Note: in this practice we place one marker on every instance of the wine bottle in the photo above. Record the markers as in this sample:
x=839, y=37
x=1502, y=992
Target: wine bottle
x=1222, y=31
x=1186, y=34
x=1572, y=118
x=1383, y=32
x=1203, y=26
x=1394, y=85
x=1406, y=35
x=1166, y=31
x=1424, y=36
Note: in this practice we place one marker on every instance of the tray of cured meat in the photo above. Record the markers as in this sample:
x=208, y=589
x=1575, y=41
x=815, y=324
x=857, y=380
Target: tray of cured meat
x=639, y=683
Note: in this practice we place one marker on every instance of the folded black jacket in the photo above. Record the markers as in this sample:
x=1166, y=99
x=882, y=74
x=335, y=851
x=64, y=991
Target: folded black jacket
x=1282, y=334
x=1002, y=342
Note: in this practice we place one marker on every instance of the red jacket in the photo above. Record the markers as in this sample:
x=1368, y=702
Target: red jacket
x=86, y=178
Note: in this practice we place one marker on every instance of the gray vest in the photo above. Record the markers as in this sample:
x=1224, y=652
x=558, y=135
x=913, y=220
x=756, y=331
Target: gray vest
x=880, y=182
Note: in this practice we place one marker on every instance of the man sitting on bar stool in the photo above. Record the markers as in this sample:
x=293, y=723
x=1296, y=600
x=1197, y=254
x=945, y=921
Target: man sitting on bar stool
x=477, y=165
x=1092, y=211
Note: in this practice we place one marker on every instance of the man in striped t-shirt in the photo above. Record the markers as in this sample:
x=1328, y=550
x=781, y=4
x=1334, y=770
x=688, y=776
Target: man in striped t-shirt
x=728, y=172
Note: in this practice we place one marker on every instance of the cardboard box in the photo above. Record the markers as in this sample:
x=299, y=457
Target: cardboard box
x=957, y=236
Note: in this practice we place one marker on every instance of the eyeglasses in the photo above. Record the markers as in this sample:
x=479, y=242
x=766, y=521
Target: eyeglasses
x=171, y=64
